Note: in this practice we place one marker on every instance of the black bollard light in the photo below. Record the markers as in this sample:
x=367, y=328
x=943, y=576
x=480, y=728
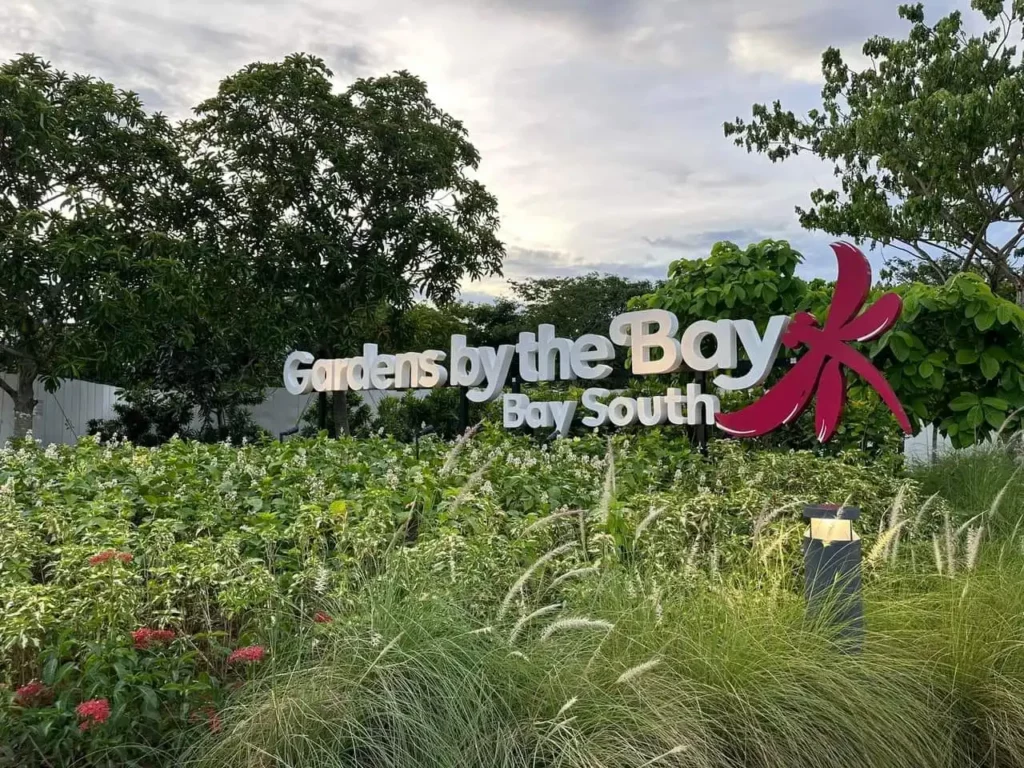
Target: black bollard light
x=417, y=433
x=832, y=578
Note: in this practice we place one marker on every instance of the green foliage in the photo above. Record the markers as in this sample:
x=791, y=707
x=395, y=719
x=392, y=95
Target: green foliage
x=985, y=481
x=754, y=283
x=150, y=418
x=956, y=357
x=925, y=142
x=691, y=558
x=344, y=201
x=85, y=265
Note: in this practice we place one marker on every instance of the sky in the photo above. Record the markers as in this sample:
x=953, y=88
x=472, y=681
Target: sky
x=599, y=122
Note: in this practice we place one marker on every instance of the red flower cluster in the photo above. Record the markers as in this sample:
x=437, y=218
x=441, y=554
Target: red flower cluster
x=212, y=718
x=248, y=654
x=322, y=618
x=32, y=694
x=92, y=712
x=110, y=554
x=145, y=637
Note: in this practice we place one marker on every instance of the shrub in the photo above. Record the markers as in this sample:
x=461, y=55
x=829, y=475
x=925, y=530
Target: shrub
x=108, y=549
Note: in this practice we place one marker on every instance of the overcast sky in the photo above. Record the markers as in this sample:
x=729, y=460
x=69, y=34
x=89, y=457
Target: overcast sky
x=599, y=121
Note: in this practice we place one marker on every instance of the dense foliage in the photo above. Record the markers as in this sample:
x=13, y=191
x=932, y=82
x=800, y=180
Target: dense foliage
x=220, y=548
x=189, y=257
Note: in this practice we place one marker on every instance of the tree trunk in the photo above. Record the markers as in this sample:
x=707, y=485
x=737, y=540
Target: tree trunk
x=340, y=404
x=25, y=402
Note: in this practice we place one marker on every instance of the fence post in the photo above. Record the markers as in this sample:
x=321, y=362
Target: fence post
x=832, y=578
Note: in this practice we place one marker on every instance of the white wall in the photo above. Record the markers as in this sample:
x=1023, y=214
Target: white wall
x=63, y=415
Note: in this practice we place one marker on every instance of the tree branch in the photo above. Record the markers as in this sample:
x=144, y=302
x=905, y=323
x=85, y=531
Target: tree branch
x=15, y=353
x=8, y=389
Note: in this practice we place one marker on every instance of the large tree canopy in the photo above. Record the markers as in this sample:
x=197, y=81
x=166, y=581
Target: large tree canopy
x=84, y=264
x=927, y=142
x=344, y=202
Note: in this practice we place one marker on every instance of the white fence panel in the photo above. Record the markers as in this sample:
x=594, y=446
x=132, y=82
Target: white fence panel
x=62, y=416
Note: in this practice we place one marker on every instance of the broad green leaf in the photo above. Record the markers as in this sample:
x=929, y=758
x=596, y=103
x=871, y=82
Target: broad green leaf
x=964, y=401
x=899, y=347
x=985, y=320
x=966, y=356
x=994, y=417
x=976, y=417
x=989, y=366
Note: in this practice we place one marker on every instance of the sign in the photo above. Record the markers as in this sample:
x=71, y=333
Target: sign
x=656, y=346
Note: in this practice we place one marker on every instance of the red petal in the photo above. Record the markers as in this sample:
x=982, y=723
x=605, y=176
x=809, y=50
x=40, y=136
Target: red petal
x=852, y=286
x=831, y=398
x=780, y=405
x=873, y=321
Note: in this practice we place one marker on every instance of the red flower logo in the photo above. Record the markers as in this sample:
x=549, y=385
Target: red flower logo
x=820, y=370
x=93, y=712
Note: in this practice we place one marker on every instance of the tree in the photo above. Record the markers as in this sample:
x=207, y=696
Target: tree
x=926, y=143
x=83, y=264
x=577, y=305
x=956, y=357
x=345, y=202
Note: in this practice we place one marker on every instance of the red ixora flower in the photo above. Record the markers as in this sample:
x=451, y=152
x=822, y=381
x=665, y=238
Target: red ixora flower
x=92, y=712
x=212, y=718
x=110, y=554
x=146, y=637
x=248, y=654
x=322, y=618
x=32, y=694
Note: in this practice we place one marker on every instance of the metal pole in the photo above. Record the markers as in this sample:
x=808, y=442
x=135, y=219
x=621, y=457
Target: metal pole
x=832, y=578
x=463, y=411
x=701, y=430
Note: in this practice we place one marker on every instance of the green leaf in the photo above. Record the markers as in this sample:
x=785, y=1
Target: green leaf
x=985, y=320
x=926, y=369
x=1004, y=313
x=964, y=401
x=994, y=418
x=150, y=697
x=966, y=356
x=976, y=416
x=899, y=348
x=995, y=402
x=989, y=366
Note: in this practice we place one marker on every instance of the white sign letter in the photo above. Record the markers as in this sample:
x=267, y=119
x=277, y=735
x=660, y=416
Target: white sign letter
x=296, y=380
x=647, y=330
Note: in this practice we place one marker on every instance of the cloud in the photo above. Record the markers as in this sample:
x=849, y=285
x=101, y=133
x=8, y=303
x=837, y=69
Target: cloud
x=599, y=122
x=702, y=240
